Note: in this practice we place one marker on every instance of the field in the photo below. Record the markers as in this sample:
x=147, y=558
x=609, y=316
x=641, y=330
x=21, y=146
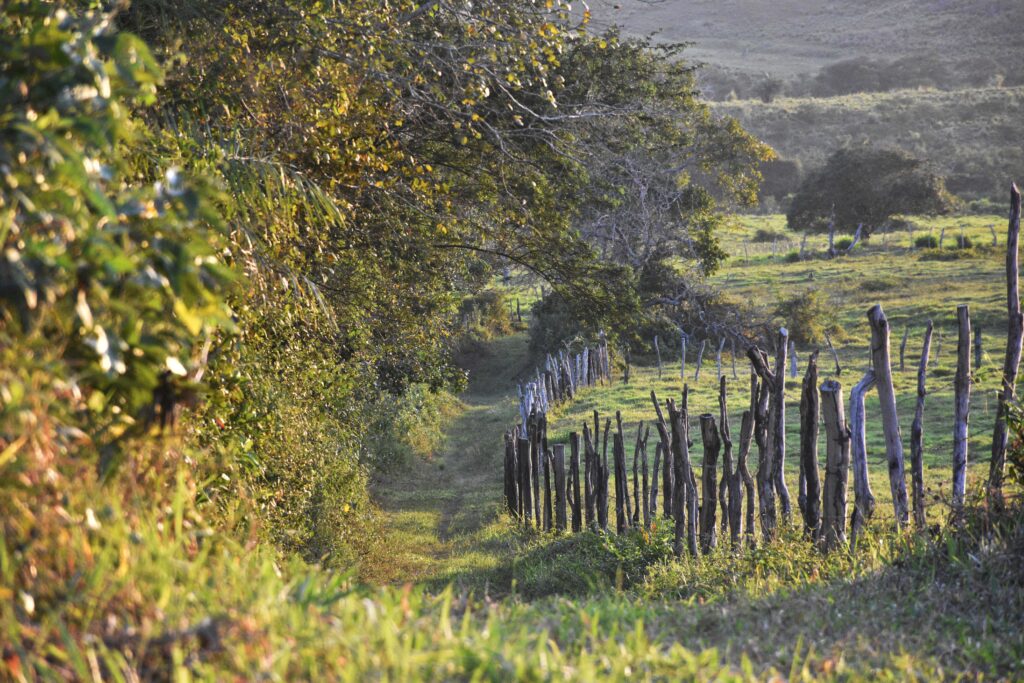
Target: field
x=836, y=616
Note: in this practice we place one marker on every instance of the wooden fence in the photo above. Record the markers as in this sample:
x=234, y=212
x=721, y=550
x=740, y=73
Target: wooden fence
x=545, y=489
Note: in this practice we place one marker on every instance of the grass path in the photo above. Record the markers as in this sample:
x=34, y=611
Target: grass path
x=441, y=513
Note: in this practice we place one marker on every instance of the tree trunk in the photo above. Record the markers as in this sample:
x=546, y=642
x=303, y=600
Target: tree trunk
x=574, y=474
x=864, y=500
x=961, y=407
x=837, y=464
x=1011, y=363
x=917, y=435
x=712, y=447
x=887, y=405
x=809, y=413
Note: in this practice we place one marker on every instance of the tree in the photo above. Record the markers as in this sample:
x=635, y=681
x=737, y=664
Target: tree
x=867, y=187
x=769, y=89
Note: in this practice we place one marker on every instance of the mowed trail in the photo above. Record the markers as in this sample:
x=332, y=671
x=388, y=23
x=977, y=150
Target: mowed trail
x=442, y=515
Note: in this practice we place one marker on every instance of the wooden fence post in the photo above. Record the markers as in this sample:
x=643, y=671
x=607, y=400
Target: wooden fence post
x=668, y=469
x=809, y=413
x=525, y=503
x=961, y=407
x=602, y=489
x=700, y=359
x=511, y=471
x=712, y=447
x=864, y=500
x=682, y=494
x=746, y=436
x=775, y=380
x=574, y=473
x=657, y=351
x=837, y=463
x=835, y=354
x=1011, y=362
x=917, y=435
x=903, y=345
x=682, y=355
x=589, y=479
x=548, y=503
x=887, y=405
x=732, y=506
x=559, y=467
x=634, y=515
x=733, y=356
x=654, y=479
x=718, y=359
x=645, y=502
x=765, y=491
x=794, y=370
x=977, y=347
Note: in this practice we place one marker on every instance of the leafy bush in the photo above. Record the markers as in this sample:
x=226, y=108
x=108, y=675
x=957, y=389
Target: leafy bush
x=808, y=315
x=926, y=242
x=766, y=235
x=487, y=315
x=843, y=243
x=963, y=242
x=792, y=256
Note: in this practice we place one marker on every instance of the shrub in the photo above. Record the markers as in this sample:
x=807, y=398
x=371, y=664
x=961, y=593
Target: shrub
x=808, y=315
x=792, y=256
x=766, y=235
x=926, y=242
x=963, y=242
x=487, y=313
x=843, y=243
x=879, y=284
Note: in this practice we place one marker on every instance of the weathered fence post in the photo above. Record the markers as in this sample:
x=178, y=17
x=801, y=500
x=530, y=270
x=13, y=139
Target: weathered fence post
x=794, y=370
x=961, y=407
x=977, y=347
x=700, y=359
x=903, y=345
x=574, y=473
x=837, y=463
x=668, y=469
x=591, y=476
x=619, y=454
x=775, y=380
x=864, y=500
x=765, y=491
x=654, y=479
x=634, y=514
x=657, y=351
x=511, y=473
x=525, y=503
x=602, y=489
x=732, y=503
x=682, y=354
x=746, y=436
x=917, y=435
x=559, y=466
x=809, y=413
x=1011, y=362
x=718, y=359
x=887, y=405
x=682, y=493
x=733, y=356
x=835, y=354
x=712, y=446
x=548, y=503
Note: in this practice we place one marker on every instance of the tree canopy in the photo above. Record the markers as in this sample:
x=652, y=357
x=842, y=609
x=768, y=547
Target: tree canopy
x=866, y=187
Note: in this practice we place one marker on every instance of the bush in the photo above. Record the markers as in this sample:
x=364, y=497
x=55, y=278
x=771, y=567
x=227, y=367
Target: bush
x=963, y=242
x=808, y=315
x=765, y=235
x=926, y=242
x=843, y=243
x=487, y=314
x=792, y=257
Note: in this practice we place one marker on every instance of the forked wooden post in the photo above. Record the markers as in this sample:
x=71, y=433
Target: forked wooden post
x=1011, y=362
x=961, y=407
x=880, y=361
x=732, y=504
x=668, y=469
x=917, y=435
x=864, y=500
x=837, y=464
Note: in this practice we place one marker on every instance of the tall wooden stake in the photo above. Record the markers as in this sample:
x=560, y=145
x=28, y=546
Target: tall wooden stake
x=1011, y=362
x=809, y=413
x=961, y=407
x=837, y=464
x=887, y=405
x=917, y=435
x=864, y=500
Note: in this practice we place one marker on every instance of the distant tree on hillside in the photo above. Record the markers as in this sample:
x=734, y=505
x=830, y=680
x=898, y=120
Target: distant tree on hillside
x=769, y=88
x=867, y=187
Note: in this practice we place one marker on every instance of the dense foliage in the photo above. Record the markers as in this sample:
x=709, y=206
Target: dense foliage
x=866, y=187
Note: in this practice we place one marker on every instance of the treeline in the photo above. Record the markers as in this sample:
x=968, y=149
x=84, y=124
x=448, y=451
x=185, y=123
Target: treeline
x=237, y=236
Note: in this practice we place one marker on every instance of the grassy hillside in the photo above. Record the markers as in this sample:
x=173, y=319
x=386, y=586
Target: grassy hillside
x=967, y=134
x=787, y=37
